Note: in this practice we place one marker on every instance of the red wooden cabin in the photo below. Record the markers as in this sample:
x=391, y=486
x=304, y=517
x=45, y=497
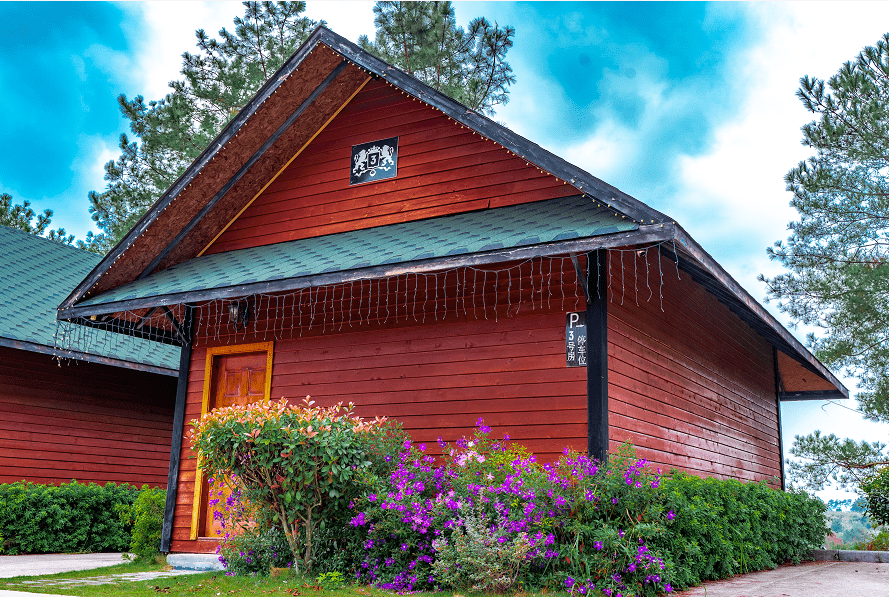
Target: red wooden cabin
x=288, y=261
x=101, y=415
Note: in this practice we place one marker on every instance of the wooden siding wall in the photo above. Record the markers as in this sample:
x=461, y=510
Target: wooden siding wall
x=85, y=421
x=442, y=169
x=690, y=386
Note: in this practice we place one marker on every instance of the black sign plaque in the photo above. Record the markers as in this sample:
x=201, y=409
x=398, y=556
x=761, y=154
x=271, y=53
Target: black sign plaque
x=377, y=160
x=575, y=340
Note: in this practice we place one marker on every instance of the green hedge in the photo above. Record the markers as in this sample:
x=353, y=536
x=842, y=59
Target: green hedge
x=726, y=527
x=73, y=517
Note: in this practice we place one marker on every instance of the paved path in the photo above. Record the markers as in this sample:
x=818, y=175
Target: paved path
x=812, y=579
x=38, y=565
x=34, y=565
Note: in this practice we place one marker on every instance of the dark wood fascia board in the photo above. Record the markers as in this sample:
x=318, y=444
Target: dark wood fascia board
x=644, y=235
x=531, y=152
x=811, y=395
x=285, y=126
x=737, y=292
x=82, y=356
x=196, y=166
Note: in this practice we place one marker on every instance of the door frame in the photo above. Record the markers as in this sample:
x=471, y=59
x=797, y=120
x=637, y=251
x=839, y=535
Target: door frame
x=212, y=353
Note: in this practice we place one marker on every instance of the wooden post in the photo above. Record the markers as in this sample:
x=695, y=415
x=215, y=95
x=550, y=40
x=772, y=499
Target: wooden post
x=597, y=354
x=178, y=425
x=779, y=389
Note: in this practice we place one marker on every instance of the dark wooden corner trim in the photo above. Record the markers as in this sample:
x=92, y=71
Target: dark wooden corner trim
x=597, y=355
x=178, y=427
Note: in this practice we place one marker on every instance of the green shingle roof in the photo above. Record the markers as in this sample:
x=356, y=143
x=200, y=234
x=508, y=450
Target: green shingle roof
x=36, y=274
x=462, y=234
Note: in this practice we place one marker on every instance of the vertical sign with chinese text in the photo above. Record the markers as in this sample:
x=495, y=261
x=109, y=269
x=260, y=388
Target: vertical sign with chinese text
x=575, y=340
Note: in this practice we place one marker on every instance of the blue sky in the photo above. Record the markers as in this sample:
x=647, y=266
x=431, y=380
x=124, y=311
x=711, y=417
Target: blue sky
x=689, y=107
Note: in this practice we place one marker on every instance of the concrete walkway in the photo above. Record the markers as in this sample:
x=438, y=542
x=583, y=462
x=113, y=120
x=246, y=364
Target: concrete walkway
x=35, y=565
x=812, y=579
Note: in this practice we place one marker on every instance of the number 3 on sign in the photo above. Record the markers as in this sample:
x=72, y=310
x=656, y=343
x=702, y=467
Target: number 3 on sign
x=575, y=340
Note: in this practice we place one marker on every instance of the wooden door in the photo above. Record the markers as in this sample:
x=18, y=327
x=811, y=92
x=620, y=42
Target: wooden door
x=237, y=379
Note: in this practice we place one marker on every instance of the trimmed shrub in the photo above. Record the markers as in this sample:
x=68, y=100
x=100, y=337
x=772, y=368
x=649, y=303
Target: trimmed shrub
x=146, y=519
x=720, y=528
x=72, y=517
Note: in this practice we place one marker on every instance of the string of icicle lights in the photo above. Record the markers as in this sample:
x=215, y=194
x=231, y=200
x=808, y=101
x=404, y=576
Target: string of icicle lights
x=480, y=293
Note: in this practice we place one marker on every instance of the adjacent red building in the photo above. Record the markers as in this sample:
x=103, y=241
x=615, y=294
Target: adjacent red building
x=356, y=236
x=104, y=414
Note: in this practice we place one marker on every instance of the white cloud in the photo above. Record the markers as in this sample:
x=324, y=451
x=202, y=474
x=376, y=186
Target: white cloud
x=732, y=198
x=161, y=31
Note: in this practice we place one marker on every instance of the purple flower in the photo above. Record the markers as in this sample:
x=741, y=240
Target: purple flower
x=668, y=588
x=670, y=515
x=598, y=545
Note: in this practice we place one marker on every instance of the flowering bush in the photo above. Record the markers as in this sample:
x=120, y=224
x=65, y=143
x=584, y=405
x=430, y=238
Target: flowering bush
x=293, y=461
x=490, y=516
x=485, y=515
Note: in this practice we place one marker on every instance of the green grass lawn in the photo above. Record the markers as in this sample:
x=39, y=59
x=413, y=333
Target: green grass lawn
x=209, y=584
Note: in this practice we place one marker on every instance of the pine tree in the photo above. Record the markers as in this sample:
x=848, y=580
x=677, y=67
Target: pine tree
x=423, y=40
x=837, y=253
x=22, y=218
x=171, y=132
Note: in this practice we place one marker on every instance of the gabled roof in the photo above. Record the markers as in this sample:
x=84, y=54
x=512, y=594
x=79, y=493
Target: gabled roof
x=309, y=90
x=35, y=274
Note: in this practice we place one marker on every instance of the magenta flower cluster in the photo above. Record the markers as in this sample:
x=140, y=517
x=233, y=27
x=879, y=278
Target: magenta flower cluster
x=553, y=508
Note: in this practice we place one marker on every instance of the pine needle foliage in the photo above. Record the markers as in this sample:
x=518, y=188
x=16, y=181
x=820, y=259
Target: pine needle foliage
x=22, y=217
x=423, y=40
x=837, y=252
x=168, y=134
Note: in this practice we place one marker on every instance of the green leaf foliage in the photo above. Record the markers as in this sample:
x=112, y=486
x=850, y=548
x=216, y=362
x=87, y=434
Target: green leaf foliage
x=423, y=40
x=827, y=459
x=296, y=462
x=836, y=254
x=876, y=496
x=72, y=517
x=146, y=518
x=725, y=527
